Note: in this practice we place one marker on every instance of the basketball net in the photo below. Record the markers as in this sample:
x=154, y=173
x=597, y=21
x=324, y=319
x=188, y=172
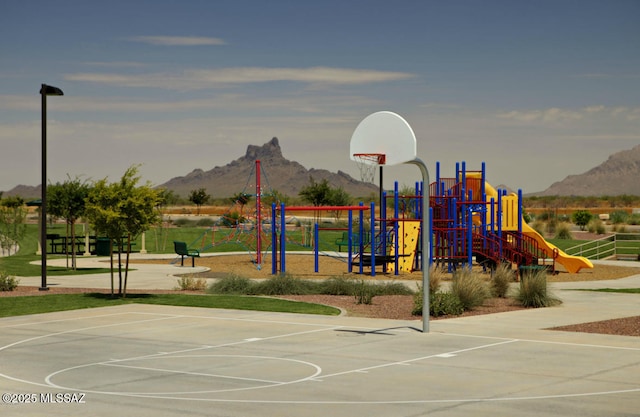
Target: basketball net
x=367, y=164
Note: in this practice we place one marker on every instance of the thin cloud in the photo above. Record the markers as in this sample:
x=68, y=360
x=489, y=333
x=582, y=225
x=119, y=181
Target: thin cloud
x=558, y=115
x=199, y=79
x=116, y=64
x=553, y=114
x=178, y=40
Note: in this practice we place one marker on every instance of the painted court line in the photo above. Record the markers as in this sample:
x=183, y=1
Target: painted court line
x=409, y=361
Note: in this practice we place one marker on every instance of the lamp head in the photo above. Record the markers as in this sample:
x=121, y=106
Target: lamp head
x=49, y=90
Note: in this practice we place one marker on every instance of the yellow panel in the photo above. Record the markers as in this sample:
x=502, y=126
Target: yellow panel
x=409, y=232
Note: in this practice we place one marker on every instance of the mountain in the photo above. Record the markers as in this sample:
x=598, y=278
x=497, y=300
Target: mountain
x=277, y=173
x=27, y=192
x=617, y=175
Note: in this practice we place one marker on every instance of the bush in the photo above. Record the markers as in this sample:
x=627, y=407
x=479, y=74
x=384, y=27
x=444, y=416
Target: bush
x=469, y=288
x=392, y=288
x=596, y=225
x=436, y=276
x=440, y=304
x=445, y=304
x=189, y=283
x=182, y=222
x=8, y=283
x=337, y=286
x=501, y=279
x=618, y=217
x=232, y=284
x=206, y=222
x=364, y=292
x=285, y=284
x=581, y=218
x=563, y=231
x=533, y=291
x=538, y=226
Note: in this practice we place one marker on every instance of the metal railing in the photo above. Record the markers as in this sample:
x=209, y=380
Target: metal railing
x=618, y=244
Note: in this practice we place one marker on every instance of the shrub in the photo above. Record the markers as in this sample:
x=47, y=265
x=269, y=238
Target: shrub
x=337, y=286
x=8, y=283
x=538, y=226
x=285, y=284
x=533, y=290
x=436, y=276
x=392, y=288
x=618, y=217
x=364, y=292
x=232, y=284
x=440, y=304
x=418, y=303
x=182, y=222
x=445, y=304
x=581, y=218
x=596, y=225
x=619, y=228
x=552, y=223
x=469, y=288
x=563, y=231
x=501, y=279
x=189, y=283
x=634, y=219
x=205, y=222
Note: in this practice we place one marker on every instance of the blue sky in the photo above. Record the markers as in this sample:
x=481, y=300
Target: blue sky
x=538, y=90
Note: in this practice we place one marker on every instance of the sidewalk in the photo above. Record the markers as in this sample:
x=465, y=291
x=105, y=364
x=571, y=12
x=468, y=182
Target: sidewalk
x=577, y=306
x=141, y=276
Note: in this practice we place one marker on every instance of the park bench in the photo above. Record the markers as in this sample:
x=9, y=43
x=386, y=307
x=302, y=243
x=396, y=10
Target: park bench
x=182, y=250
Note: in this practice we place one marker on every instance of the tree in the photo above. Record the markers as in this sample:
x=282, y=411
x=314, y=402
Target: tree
x=317, y=194
x=199, y=197
x=122, y=211
x=581, y=218
x=67, y=200
x=12, y=222
x=339, y=197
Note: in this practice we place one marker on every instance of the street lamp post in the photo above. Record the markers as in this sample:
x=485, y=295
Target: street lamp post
x=45, y=90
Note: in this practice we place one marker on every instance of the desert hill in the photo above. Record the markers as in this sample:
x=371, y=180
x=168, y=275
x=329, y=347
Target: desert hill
x=278, y=173
x=616, y=176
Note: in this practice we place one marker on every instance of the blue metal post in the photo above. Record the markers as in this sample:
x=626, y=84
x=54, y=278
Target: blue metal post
x=274, y=240
x=520, y=213
x=469, y=214
x=316, y=244
x=283, y=245
x=361, y=243
x=373, y=239
x=396, y=228
x=350, y=251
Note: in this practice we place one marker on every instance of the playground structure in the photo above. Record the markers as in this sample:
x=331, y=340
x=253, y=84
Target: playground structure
x=470, y=222
x=470, y=219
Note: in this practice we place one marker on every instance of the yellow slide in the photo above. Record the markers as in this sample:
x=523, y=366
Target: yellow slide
x=571, y=263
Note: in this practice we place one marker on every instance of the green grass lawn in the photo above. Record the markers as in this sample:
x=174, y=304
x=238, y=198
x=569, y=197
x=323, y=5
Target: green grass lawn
x=617, y=290
x=19, y=306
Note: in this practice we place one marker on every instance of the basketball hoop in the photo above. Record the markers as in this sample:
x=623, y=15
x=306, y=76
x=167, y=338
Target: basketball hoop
x=367, y=164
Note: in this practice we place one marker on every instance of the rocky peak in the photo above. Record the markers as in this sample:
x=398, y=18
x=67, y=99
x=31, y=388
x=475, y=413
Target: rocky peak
x=269, y=151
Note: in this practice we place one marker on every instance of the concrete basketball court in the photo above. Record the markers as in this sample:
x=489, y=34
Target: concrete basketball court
x=148, y=360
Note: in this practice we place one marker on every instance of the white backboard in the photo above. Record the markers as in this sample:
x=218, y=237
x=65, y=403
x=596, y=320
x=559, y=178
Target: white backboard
x=385, y=133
